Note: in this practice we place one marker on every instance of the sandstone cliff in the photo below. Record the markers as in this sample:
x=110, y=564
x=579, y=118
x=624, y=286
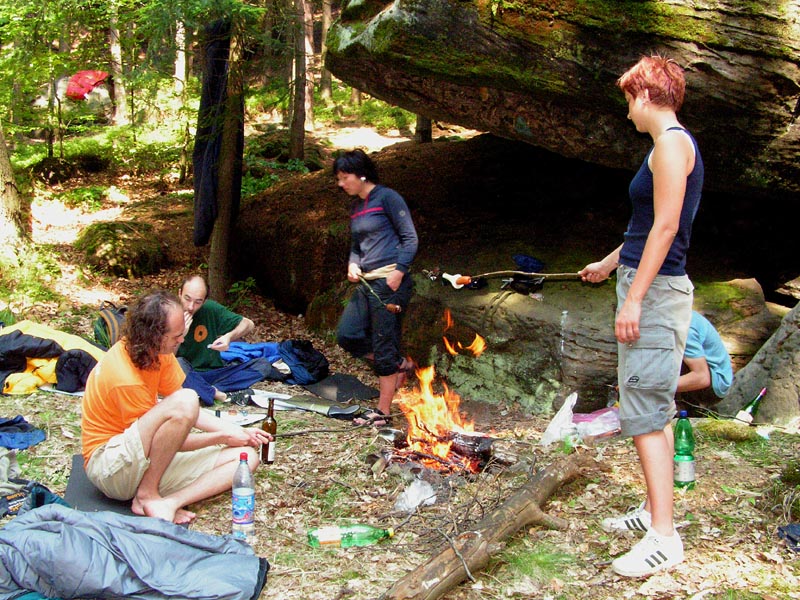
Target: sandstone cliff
x=545, y=72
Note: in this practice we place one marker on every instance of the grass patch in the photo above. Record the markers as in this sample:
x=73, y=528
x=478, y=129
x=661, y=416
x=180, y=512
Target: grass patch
x=88, y=198
x=333, y=501
x=541, y=562
x=29, y=279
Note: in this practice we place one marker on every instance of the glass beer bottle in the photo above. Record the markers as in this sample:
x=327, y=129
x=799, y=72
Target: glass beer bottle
x=270, y=425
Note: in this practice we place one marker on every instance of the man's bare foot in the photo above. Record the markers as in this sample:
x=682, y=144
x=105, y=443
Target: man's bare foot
x=220, y=396
x=162, y=508
x=184, y=517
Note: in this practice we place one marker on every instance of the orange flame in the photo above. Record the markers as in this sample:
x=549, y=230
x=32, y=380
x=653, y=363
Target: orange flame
x=448, y=319
x=432, y=418
x=449, y=347
x=477, y=346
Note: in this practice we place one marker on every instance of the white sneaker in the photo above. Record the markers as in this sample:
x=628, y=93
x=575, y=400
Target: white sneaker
x=637, y=519
x=655, y=552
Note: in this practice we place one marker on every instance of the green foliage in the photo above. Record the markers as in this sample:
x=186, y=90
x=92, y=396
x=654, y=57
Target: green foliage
x=89, y=198
x=371, y=112
x=7, y=317
x=252, y=186
x=239, y=293
x=30, y=279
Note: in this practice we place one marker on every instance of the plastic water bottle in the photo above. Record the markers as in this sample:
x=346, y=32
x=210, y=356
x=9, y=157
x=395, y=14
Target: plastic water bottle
x=244, y=502
x=684, y=452
x=347, y=536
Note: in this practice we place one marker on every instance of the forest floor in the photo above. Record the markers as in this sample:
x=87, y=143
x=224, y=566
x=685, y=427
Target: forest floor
x=325, y=471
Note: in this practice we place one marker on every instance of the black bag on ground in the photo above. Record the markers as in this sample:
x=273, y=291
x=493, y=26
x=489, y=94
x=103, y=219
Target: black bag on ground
x=108, y=324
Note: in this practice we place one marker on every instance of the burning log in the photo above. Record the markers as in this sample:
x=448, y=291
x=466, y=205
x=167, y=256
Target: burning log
x=469, y=451
x=471, y=550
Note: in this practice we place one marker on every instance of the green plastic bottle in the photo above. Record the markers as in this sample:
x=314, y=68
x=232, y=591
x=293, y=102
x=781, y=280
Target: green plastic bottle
x=684, y=452
x=749, y=410
x=346, y=536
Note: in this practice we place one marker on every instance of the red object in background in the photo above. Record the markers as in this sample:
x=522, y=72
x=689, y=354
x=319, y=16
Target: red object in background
x=84, y=82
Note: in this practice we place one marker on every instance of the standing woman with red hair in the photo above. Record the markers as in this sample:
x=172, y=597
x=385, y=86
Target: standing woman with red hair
x=654, y=302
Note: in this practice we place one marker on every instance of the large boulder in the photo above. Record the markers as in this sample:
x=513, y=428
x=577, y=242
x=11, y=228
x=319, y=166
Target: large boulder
x=476, y=203
x=775, y=366
x=544, y=73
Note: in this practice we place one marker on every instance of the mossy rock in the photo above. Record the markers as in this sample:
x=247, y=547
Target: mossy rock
x=92, y=163
x=274, y=145
x=52, y=170
x=125, y=249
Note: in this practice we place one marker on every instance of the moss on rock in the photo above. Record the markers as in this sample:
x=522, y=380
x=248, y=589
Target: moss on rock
x=125, y=248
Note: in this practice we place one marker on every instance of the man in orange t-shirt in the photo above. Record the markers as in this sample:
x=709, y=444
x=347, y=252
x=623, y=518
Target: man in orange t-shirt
x=137, y=447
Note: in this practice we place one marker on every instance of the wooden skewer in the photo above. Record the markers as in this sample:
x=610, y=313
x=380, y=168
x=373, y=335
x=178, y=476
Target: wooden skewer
x=461, y=280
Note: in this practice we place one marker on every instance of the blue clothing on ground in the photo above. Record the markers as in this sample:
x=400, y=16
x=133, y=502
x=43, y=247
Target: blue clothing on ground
x=230, y=378
x=705, y=342
x=17, y=433
x=641, y=194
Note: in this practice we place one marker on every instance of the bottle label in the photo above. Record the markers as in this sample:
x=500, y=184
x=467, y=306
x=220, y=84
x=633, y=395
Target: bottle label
x=745, y=417
x=244, y=505
x=329, y=536
x=684, y=471
x=271, y=452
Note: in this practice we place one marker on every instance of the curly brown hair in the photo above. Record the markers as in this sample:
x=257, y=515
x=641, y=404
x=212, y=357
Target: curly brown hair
x=146, y=326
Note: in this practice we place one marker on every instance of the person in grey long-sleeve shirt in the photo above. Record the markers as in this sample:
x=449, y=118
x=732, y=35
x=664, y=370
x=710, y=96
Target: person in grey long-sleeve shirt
x=384, y=244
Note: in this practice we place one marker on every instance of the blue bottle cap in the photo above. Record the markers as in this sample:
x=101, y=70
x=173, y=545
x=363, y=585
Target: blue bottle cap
x=682, y=414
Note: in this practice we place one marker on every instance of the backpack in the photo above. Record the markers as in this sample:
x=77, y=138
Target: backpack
x=108, y=325
x=308, y=364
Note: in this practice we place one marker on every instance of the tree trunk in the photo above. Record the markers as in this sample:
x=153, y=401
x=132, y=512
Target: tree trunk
x=179, y=76
x=12, y=232
x=471, y=550
x=229, y=176
x=297, y=132
x=424, y=130
x=118, y=89
x=325, y=83
x=308, y=77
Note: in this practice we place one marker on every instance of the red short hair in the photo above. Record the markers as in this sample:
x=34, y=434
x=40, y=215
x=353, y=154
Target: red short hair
x=661, y=77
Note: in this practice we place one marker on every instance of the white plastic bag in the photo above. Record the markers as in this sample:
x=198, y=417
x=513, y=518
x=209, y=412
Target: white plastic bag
x=561, y=422
x=419, y=492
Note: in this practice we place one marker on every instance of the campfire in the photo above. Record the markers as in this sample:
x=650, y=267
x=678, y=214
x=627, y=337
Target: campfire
x=438, y=434
x=439, y=437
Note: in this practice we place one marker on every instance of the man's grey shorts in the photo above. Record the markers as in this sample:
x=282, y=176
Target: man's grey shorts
x=649, y=368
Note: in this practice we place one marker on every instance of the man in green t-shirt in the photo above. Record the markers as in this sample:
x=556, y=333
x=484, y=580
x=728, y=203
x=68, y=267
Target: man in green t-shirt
x=210, y=329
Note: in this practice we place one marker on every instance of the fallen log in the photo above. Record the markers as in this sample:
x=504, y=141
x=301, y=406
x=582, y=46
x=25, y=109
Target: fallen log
x=470, y=551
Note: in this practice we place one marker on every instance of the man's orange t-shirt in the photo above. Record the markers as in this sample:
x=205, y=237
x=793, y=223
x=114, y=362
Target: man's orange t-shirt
x=118, y=393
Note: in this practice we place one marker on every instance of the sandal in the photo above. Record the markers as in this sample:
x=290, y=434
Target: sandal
x=241, y=397
x=373, y=418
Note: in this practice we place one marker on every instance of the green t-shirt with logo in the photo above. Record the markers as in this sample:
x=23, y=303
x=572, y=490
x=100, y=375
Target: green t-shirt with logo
x=209, y=322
